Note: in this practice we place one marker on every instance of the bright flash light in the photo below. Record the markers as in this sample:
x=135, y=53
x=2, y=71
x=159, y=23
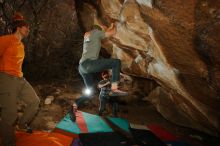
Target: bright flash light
x=87, y=91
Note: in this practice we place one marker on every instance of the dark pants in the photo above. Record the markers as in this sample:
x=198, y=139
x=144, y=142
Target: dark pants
x=104, y=100
x=11, y=89
x=88, y=67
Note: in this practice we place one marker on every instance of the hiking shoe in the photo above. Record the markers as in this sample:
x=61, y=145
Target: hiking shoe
x=29, y=130
x=118, y=92
x=74, y=107
x=103, y=113
x=72, y=112
x=72, y=116
x=25, y=128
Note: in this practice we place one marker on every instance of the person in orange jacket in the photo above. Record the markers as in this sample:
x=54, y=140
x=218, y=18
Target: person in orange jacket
x=13, y=85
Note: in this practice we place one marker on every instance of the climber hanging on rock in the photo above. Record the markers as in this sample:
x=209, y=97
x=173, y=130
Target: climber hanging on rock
x=90, y=62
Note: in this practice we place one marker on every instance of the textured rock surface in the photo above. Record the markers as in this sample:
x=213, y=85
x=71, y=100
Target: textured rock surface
x=176, y=44
x=173, y=43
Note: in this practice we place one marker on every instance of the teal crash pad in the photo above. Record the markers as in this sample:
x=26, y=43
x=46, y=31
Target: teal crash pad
x=93, y=122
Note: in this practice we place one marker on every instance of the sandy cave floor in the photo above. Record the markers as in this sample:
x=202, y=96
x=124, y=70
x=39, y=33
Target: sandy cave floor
x=138, y=112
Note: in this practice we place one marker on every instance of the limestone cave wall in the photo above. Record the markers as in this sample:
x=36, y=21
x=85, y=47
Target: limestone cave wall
x=176, y=44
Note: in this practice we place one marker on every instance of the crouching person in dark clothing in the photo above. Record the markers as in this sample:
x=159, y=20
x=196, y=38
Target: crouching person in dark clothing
x=104, y=98
x=13, y=85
